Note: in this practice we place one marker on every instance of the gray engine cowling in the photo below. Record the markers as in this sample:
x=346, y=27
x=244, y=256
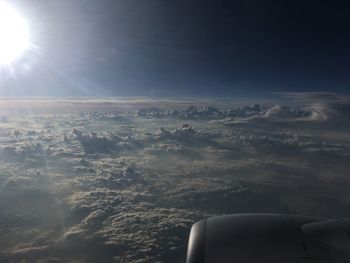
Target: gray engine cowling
x=271, y=238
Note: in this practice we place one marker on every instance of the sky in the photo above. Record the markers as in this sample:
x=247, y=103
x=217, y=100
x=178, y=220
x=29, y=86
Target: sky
x=181, y=48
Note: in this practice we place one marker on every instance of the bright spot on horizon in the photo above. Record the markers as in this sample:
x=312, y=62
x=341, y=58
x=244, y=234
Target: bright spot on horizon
x=14, y=35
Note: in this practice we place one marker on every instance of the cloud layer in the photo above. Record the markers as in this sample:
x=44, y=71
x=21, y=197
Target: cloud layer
x=126, y=186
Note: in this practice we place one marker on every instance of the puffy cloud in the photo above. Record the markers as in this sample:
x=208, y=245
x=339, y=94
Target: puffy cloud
x=189, y=112
x=248, y=113
x=287, y=113
x=332, y=105
x=150, y=112
x=184, y=132
x=92, y=143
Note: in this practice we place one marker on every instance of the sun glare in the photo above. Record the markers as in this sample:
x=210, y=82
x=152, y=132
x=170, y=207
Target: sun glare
x=14, y=38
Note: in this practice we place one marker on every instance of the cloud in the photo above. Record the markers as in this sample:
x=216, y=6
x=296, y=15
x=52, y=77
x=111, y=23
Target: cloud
x=92, y=143
x=246, y=113
x=125, y=186
x=335, y=106
x=286, y=113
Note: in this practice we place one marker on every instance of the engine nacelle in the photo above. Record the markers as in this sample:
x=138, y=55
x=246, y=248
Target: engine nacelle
x=269, y=238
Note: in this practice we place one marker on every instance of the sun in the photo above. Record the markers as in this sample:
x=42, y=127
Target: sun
x=14, y=37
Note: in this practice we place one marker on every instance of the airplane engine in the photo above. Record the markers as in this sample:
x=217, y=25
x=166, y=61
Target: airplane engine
x=269, y=238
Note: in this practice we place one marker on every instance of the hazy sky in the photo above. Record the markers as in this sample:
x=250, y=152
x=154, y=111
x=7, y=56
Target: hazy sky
x=181, y=48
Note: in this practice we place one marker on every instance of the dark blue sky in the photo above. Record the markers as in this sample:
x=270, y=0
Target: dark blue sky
x=182, y=48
